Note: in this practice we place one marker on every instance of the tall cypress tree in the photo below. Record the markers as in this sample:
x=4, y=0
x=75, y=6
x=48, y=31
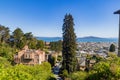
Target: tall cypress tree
x=69, y=44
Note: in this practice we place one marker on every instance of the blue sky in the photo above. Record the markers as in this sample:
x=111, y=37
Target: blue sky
x=45, y=17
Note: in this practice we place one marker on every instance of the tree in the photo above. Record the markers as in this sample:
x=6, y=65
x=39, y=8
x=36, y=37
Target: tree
x=18, y=36
x=112, y=48
x=65, y=74
x=69, y=45
x=80, y=75
x=24, y=72
x=108, y=69
x=32, y=43
x=4, y=33
x=7, y=52
x=28, y=35
x=52, y=60
x=40, y=44
x=59, y=58
x=56, y=46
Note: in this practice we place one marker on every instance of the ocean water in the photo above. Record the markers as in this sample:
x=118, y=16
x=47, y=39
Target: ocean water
x=51, y=39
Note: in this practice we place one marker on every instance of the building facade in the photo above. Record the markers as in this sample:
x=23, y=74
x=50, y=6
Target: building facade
x=29, y=56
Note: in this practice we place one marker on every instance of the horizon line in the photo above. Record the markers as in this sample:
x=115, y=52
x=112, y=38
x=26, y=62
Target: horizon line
x=76, y=37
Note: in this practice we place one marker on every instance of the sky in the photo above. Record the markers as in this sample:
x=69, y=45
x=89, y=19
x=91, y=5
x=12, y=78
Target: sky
x=44, y=18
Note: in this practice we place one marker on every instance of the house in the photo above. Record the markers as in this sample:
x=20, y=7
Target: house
x=92, y=62
x=82, y=63
x=29, y=56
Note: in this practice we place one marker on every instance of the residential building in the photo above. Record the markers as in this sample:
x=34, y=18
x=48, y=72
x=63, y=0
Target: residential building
x=29, y=56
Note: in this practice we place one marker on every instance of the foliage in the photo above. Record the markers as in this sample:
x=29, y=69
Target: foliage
x=69, y=45
x=18, y=34
x=59, y=58
x=8, y=47
x=56, y=46
x=32, y=43
x=18, y=38
x=64, y=74
x=4, y=62
x=112, y=48
x=52, y=60
x=100, y=72
x=106, y=70
x=78, y=75
x=23, y=72
x=40, y=44
x=7, y=52
x=28, y=36
x=4, y=33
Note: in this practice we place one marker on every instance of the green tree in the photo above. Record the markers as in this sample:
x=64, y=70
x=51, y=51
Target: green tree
x=40, y=44
x=52, y=60
x=18, y=36
x=106, y=70
x=23, y=72
x=112, y=48
x=28, y=37
x=32, y=43
x=80, y=75
x=65, y=74
x=4, y=33
x=69, y=44
x=56, y=46
x=59, y=58
x=7, y=52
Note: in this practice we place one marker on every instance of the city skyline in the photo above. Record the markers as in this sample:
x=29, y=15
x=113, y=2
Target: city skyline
x=44, y=18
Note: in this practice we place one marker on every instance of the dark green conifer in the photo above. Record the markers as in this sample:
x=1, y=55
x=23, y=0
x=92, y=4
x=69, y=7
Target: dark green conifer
x=112, y=48
x=69, y=44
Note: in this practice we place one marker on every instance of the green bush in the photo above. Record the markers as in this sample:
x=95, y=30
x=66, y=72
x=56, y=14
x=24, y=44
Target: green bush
x=106, y=70
x=78, y=75
x=23, y=72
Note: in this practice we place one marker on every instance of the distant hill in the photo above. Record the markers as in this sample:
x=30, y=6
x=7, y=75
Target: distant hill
x=91, y=37
x=81, y=39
